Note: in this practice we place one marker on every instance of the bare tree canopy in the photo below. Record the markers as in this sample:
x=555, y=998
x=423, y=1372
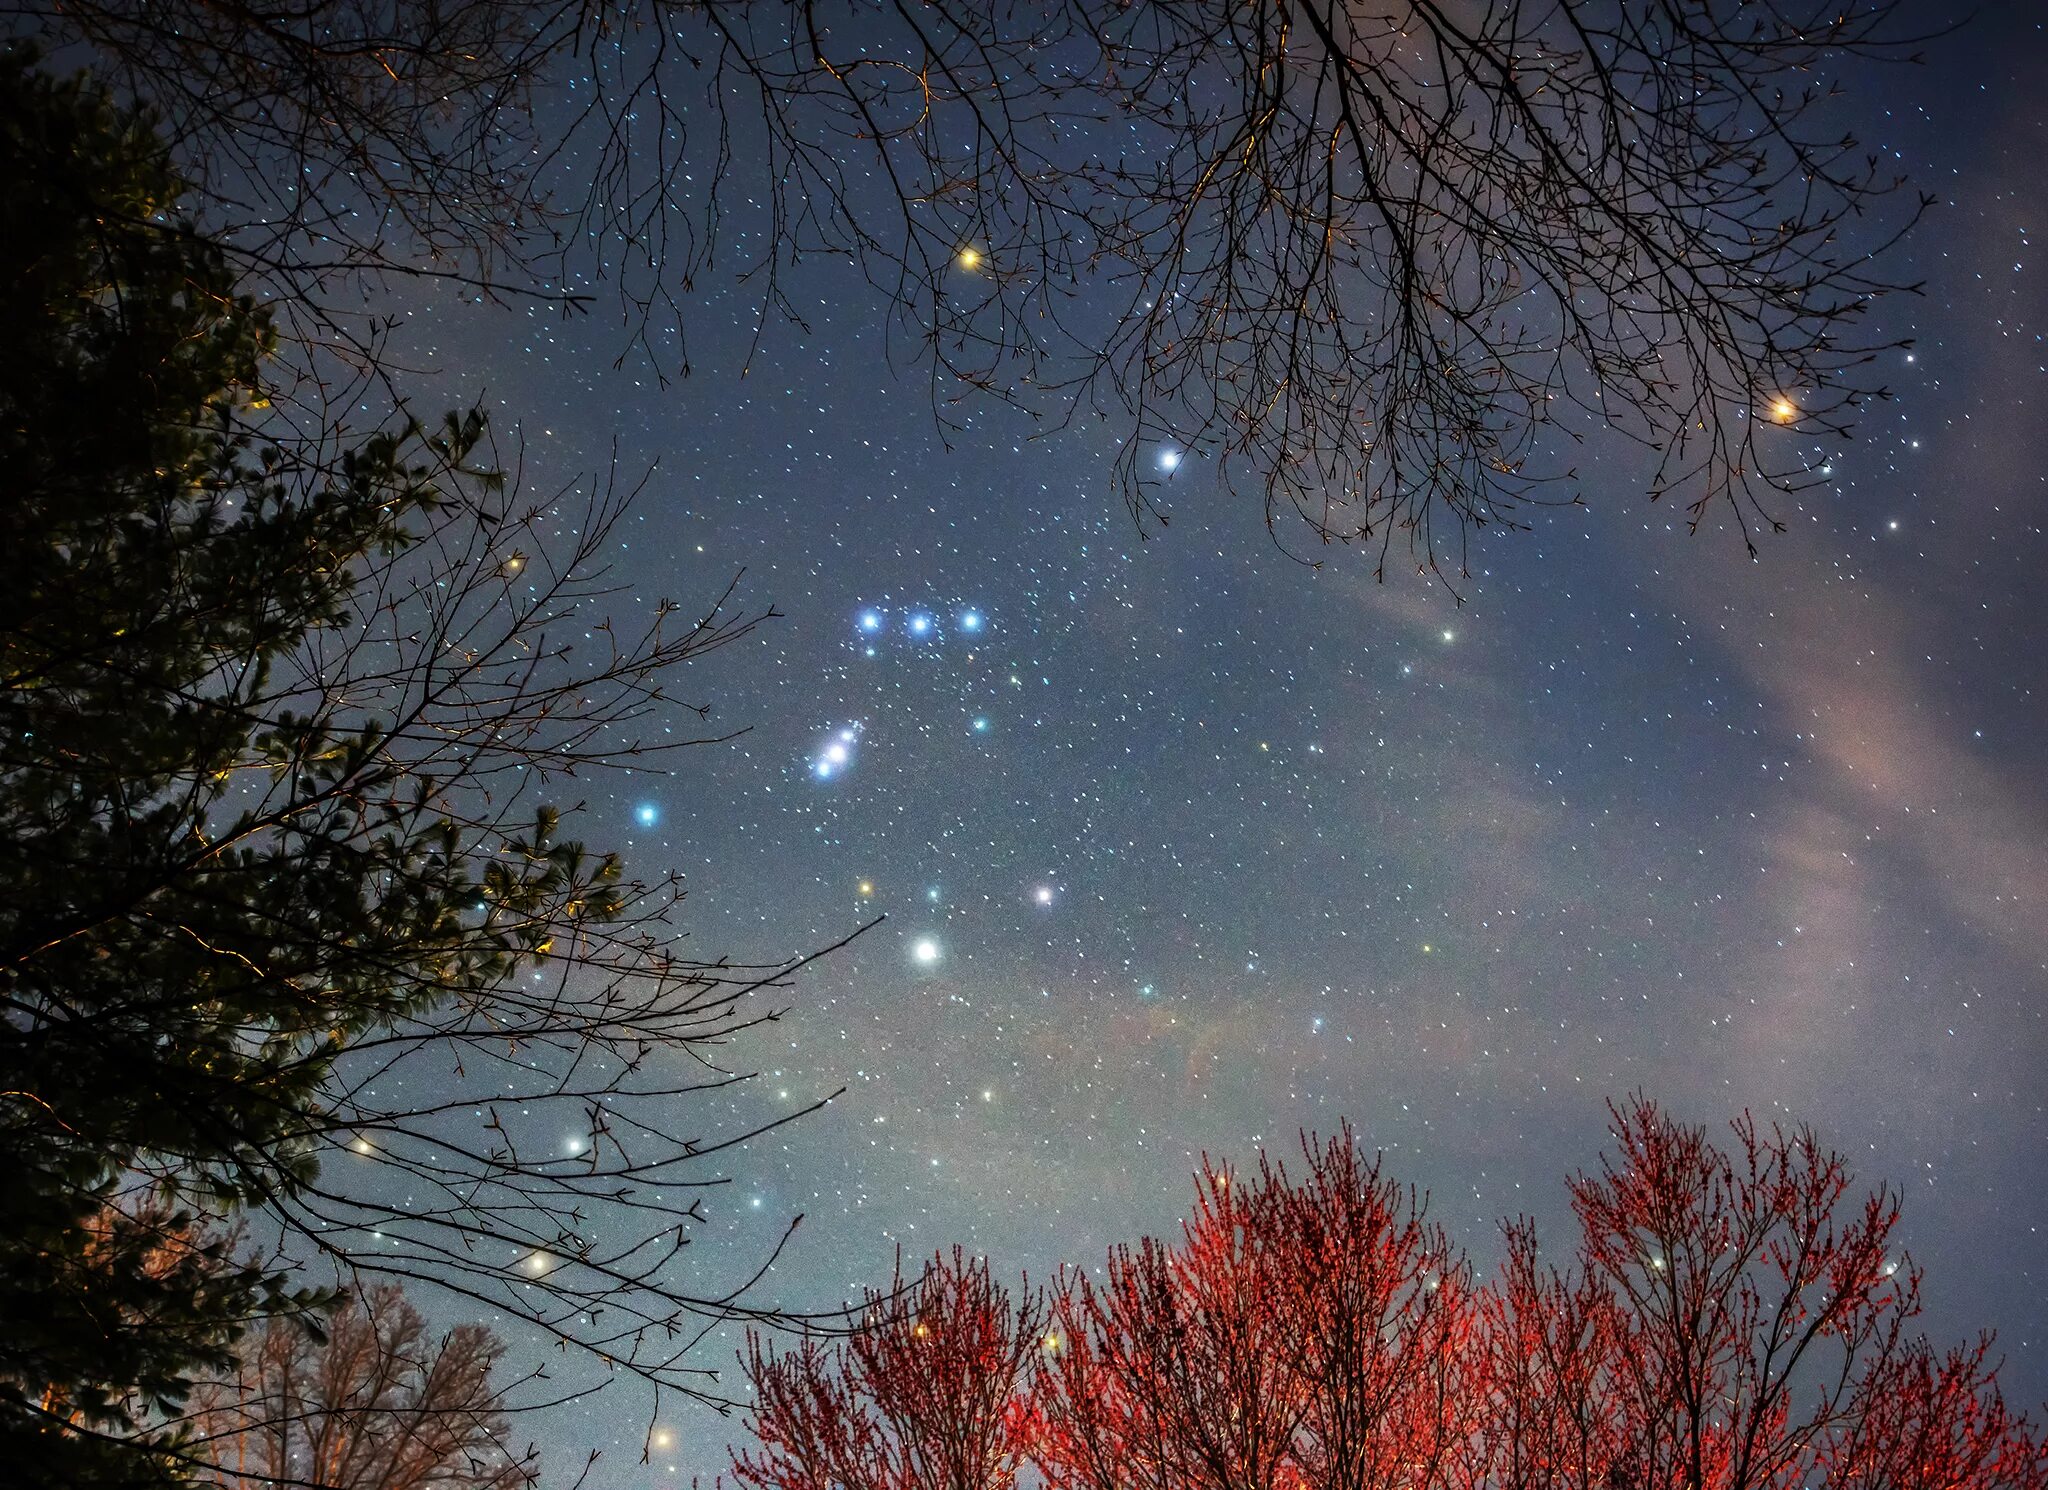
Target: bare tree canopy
x=1736, y=1318
x=1388, y=263
x=381, y=1403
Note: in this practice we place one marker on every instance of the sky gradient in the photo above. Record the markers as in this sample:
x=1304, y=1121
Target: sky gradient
x=1185, y=846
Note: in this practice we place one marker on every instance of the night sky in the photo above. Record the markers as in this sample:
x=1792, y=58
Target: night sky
x=1184, y=846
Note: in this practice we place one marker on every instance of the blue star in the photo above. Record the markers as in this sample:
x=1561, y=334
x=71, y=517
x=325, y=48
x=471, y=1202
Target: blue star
x=647, y=814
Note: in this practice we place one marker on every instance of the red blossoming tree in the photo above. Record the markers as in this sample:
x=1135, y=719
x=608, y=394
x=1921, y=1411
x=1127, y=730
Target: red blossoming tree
x=1741, y=1320
x=1179, y=1369
x=927, y=1394
x=1735, y=1318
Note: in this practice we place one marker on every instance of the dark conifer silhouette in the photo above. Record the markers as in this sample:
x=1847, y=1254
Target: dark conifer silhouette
x=288, y=923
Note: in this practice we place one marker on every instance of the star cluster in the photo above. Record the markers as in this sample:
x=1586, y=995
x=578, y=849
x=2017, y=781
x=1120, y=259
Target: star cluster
x=1181, y=846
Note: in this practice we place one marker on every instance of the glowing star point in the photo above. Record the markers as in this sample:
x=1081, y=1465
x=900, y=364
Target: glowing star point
x=870, y=621
x=920, y=625
x=1169, y=460
x=1042, y=895
x=970, y=620
x=647, y=814
x=981, y=725
x=969, y=259
x=836, y=754
x=924, y=951
x=1784, y=410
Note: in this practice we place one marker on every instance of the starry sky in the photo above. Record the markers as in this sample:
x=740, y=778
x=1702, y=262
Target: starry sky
x=1184, y=846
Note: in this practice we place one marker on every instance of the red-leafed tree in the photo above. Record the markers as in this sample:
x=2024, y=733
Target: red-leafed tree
x=1741, y=1321
x=1736, y=1318
x=1384, y=1312
x=1179, y=1369
x=1545, y=1342
x=929, y=1392
x=1306, y=1332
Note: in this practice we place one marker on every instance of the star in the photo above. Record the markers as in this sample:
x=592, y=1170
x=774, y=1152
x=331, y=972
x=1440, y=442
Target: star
x=1169, y=460
x=647, y=814
x=925, y=951
x=1042, y=895
x=871, y=621
x=836, y=755
x=970, y=620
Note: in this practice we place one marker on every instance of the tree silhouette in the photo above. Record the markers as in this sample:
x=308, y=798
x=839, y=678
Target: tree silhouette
x=1736, y=1320
x=1303, y=1332
x=1387, y=1317
x=927, y=1393
x=379, y=1404
x=287, y=921
x=1389, y=263
x=1760, y=1322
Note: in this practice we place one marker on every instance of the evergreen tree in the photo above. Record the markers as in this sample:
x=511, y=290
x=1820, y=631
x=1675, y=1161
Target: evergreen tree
x=275, y=704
